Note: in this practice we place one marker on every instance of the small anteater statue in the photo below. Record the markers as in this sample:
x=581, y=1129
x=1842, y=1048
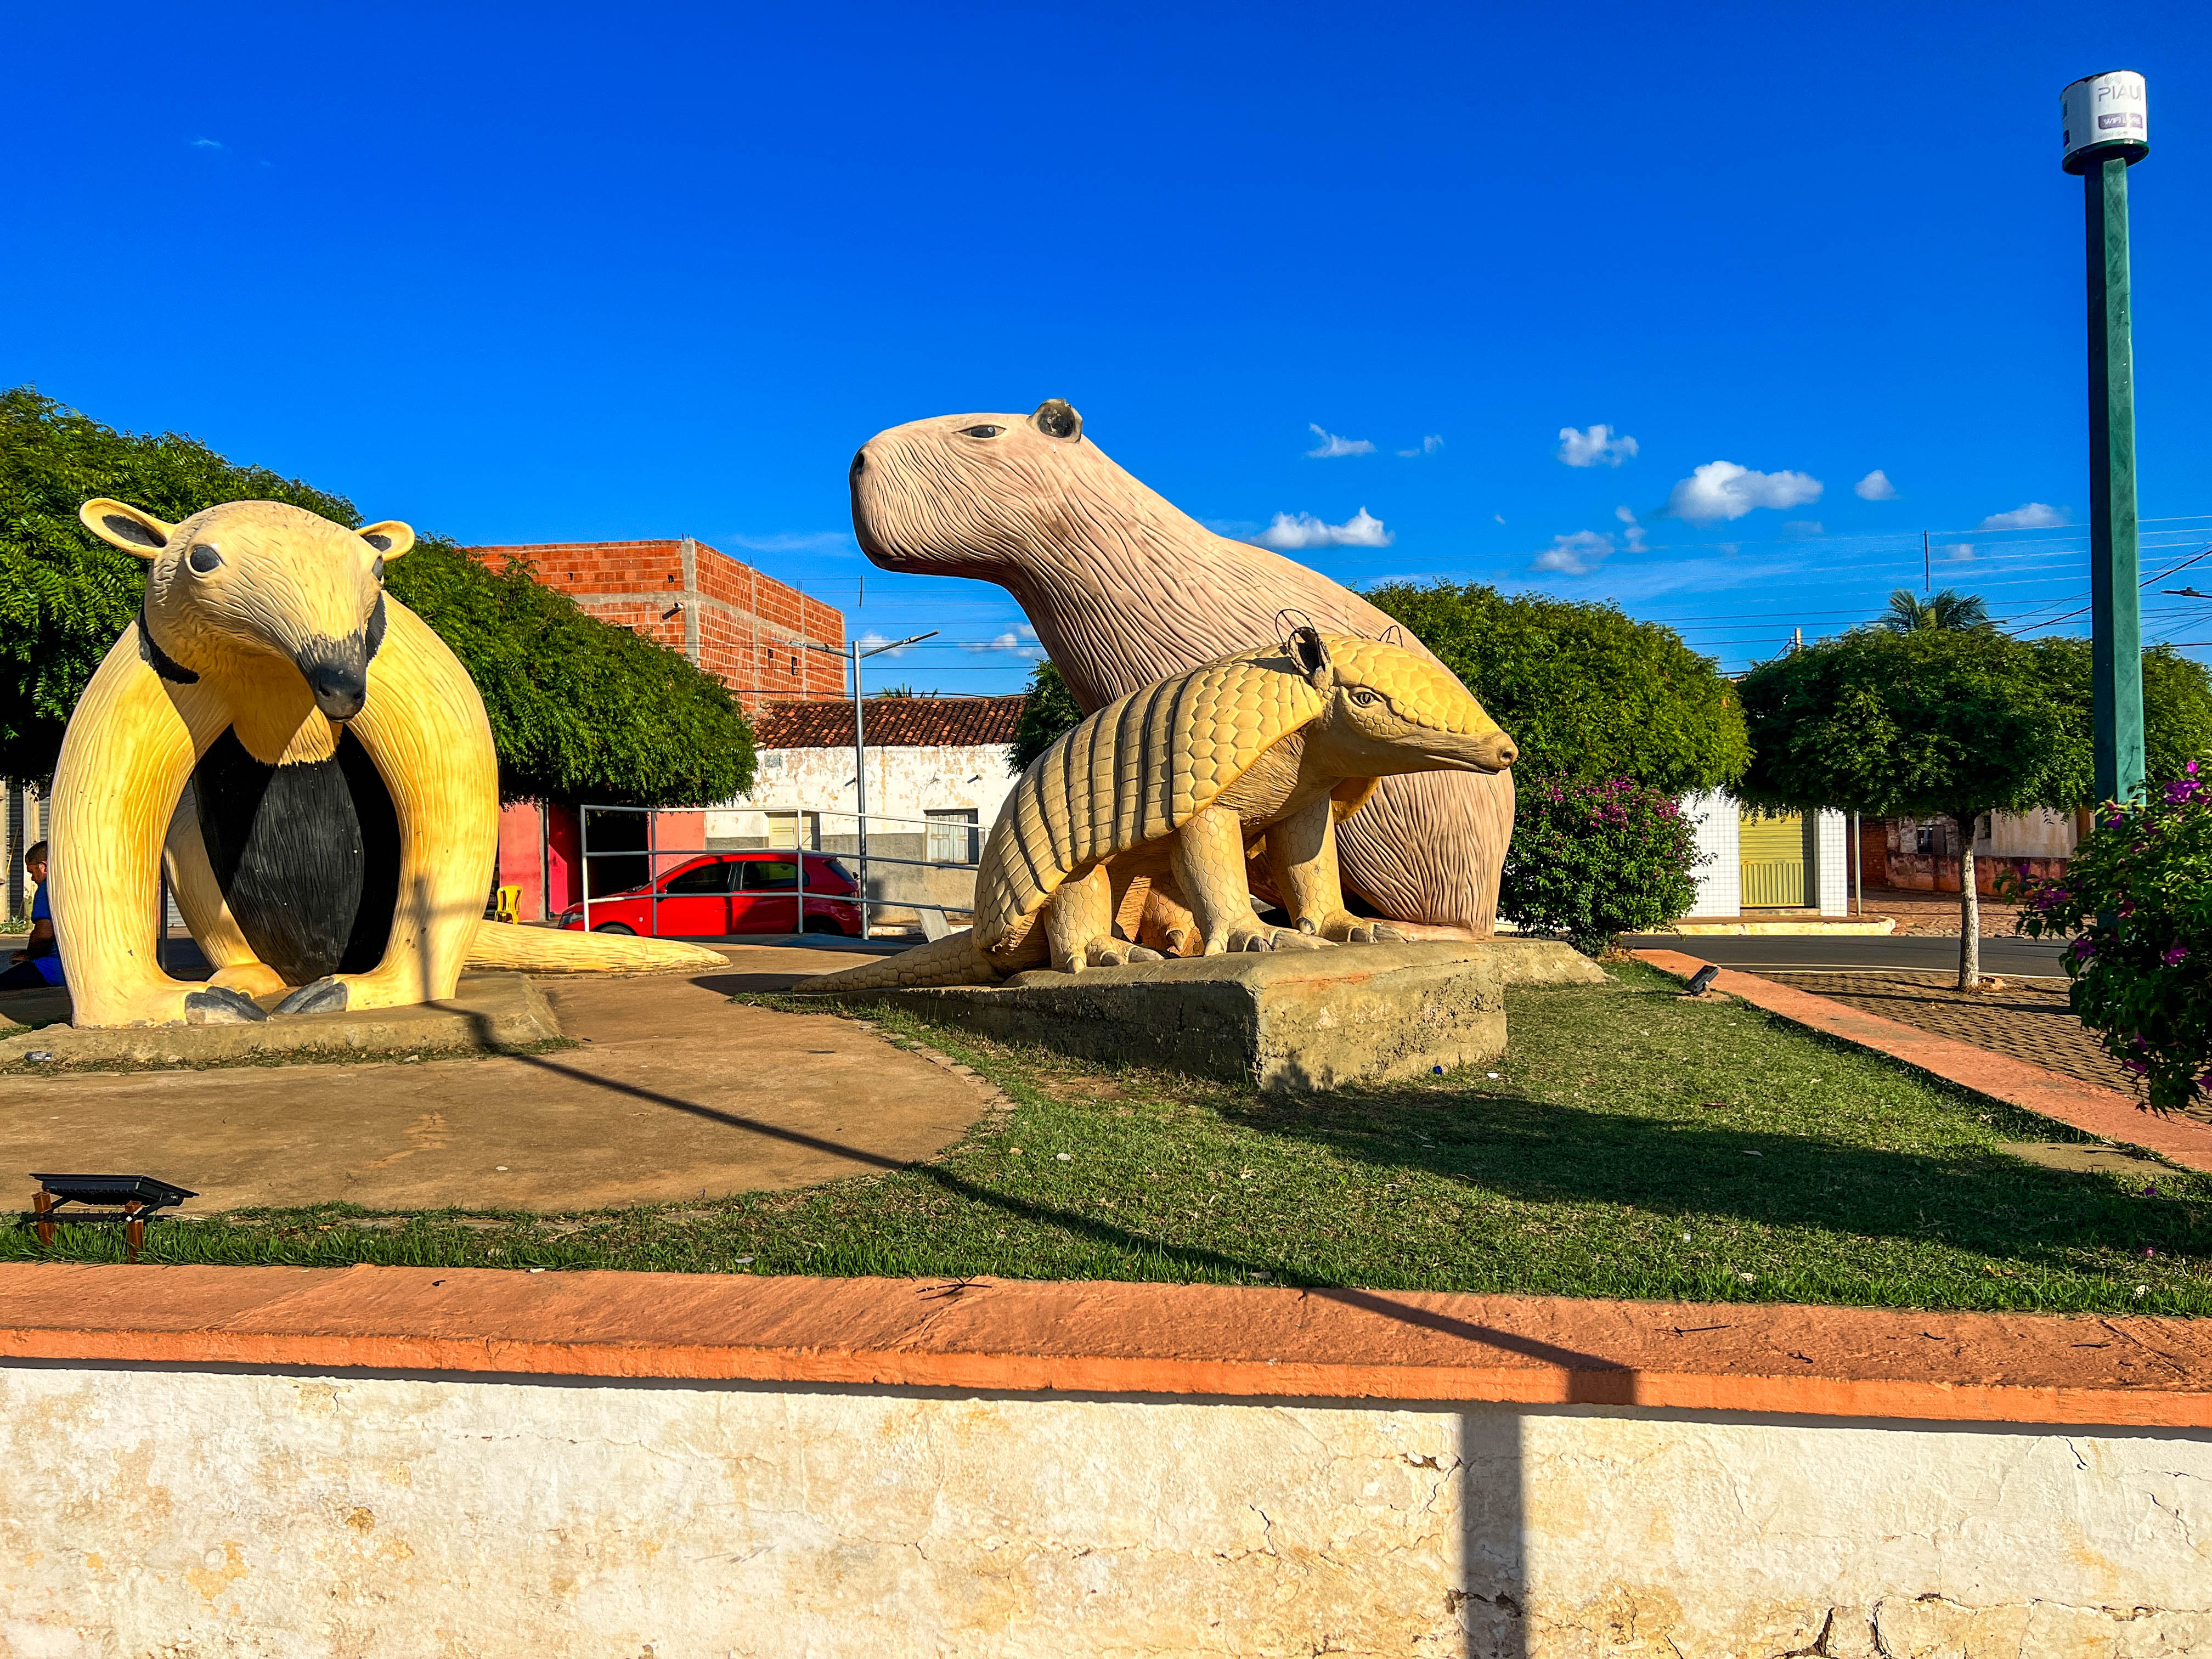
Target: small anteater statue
x=343, y=814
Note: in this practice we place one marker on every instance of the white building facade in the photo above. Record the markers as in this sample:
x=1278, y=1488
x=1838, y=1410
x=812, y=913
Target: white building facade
x=938, y=770
x=1755, y=861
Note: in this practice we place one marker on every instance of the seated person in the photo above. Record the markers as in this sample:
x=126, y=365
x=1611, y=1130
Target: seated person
x=37, y=965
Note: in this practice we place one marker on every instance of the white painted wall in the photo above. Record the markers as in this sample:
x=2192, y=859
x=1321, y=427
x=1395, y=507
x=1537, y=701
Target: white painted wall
x=1720, y=878
x=2038, y=834
x=906, y=782
x=182, y=1512
x=902, y=782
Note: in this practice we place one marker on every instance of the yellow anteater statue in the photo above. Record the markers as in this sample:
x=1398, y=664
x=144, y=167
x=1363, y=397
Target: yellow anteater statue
x=343, y=810
x=1183, y=785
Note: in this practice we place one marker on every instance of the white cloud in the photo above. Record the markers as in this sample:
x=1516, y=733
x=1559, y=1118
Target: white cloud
x=208, y=143
x=1575, y=555
x=1959, y=551
x=1875, y=487
x=1803, y=530
x=1010, y=640
x=1331, y=446
x=1599, y=447
x=2033, y=516
x=1722, y=490
x=1292, y=531
x=1634, y=541
x=1430, y=445
x=871, y=640
x=1500, y=517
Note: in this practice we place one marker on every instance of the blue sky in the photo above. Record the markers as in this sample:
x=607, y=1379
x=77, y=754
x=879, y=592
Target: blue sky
x=549, y=273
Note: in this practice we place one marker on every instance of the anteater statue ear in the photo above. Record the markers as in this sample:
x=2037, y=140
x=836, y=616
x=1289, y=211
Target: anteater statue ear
x=121, y=525
x=1312, y=658
x=1056, y=420
x=389, y=539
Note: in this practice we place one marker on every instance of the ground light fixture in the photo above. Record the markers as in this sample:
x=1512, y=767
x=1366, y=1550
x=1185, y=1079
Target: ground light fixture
x=2105, y=129
x=132, y=1200
x=1702, y=980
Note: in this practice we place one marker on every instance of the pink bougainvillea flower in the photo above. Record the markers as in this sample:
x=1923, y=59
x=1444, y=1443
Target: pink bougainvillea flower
x=2174, y=955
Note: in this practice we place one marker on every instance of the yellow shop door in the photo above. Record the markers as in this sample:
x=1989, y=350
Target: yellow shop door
x=1772, y=850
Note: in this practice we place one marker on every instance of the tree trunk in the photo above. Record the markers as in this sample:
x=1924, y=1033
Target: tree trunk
x=1969, y=909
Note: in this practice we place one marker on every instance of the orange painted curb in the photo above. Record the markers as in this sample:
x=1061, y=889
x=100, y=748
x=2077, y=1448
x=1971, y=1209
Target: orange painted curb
x=1012, y=1336
x=2100, y=1112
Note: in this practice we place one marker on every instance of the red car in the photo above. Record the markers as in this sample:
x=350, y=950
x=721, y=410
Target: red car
x=732, y=893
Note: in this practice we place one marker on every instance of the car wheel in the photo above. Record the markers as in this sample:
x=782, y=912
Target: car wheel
x=615, y=927
x=823, y=925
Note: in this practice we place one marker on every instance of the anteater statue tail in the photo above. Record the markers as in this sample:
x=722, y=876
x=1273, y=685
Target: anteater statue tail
x=500, y=947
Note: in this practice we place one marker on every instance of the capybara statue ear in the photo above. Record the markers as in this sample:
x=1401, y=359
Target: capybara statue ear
x=1056, y=420
x=389, y=539
x=121, y=525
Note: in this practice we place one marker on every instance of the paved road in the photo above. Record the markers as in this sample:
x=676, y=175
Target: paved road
x=1853, y=951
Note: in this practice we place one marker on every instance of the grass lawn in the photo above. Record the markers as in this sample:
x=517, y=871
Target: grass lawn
x=1631, y=1143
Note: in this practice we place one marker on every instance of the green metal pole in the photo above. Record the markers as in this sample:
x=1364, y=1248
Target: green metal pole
x=2117, y=647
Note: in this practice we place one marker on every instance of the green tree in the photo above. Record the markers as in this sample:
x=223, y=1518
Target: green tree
x=2177, y=704
x=1930, y=724
x=579, y=709
x=1588, y=693
x=1949, y=612
x=1047, y=709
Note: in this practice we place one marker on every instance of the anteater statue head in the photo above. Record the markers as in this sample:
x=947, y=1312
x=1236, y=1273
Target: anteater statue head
x=244, y=590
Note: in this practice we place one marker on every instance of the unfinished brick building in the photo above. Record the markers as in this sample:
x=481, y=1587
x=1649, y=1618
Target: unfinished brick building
x=748, y=630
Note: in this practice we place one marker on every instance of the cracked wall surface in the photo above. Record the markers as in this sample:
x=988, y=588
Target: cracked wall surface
x=195, y=1513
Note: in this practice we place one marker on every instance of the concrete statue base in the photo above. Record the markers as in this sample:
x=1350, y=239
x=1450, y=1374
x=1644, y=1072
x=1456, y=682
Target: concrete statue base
x=486, y=1012
x=1284, y=1020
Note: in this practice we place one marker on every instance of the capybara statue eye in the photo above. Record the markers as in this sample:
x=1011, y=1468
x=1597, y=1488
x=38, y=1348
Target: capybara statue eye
x=981, y=431
x=202, y=558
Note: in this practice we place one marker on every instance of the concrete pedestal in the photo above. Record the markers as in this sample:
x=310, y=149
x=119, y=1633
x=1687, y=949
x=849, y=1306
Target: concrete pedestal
x=487, y=1012
x=1281, y=1020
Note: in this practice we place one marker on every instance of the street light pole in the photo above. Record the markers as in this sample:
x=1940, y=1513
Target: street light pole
x=860, y=754
x=2106, y=132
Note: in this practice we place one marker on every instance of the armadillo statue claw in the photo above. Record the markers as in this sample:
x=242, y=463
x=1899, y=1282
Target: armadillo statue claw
x=1146, y=821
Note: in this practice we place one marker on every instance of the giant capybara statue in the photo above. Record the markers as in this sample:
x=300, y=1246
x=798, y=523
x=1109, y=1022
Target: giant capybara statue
x=1124, y=590
x=343, y=813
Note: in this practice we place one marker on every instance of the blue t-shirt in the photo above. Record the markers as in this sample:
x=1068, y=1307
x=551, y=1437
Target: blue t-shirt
x=50, y=963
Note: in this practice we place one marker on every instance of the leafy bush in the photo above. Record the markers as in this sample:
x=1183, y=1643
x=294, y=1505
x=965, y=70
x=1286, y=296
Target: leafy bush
x=1588, y=692
x=1047, y=709
x=2138, y=891
x=1594, y=860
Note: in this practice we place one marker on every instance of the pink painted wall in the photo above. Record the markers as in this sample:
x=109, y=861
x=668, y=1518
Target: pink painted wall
x=521, y=857
x=676, y=834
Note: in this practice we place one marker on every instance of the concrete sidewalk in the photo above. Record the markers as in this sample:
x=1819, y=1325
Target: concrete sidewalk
x=2097, y=1111
x=677, y=1094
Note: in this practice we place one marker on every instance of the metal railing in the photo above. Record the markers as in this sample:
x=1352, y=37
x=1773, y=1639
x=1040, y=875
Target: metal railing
x=798, y=818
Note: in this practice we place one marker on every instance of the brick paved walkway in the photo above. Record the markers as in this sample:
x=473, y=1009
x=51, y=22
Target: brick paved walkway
x=1937, y=915
x=2028, y=1019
